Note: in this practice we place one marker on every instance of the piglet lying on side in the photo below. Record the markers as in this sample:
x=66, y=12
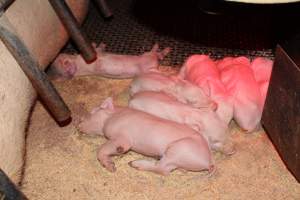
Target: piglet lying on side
x=204, y=120
x=177, y=145
x=182, y=90
x=108, y=65
x=202, y=71
x=240, y=83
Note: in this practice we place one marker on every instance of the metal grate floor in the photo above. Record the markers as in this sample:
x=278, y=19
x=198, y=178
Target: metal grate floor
x=135, y=27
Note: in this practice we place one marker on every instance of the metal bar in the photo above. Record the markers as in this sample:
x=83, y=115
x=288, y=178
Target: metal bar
x=72, y=26
x=30, y=67
x=8, y=190
x=4, y=4
x=104, y=9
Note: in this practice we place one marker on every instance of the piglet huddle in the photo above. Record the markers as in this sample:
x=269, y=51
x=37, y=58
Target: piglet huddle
x=178, y=119
x=236, y=85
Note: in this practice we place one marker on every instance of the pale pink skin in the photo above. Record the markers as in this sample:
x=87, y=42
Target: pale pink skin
x=240, y=83
x=177, y=146
x=182, y=90
x=108, y=65
x=202, y=71
x=205, y=121
x=262, y=69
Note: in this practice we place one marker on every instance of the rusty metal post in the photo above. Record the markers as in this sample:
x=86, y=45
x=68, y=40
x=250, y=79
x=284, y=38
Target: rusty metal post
x=66, y=16
x=4, y=4
x=30, y=67
x=104, y=8
x=8, y=190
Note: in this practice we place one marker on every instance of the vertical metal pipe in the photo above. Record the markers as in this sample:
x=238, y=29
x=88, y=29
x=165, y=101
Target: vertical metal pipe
x=30, y=67
x=71, y=24
x=104, y=9
x=8, y=190
x=4, y=4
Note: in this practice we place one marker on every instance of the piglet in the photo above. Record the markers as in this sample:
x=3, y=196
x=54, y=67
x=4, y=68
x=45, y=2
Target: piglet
x=240, y=83
x=204, y=120
x=262, y=69
x=202, y=71
x=108, y=65
x=182, y=90
x=177, y=146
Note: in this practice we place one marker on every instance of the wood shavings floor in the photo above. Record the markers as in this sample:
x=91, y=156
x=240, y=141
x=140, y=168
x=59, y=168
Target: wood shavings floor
x=61, y=162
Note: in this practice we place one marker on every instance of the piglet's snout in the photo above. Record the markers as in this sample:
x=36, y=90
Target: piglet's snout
x=82, y=123
x=81, y=126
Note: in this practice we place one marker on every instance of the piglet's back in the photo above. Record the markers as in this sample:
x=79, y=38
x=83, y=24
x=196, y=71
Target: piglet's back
x=132, y=120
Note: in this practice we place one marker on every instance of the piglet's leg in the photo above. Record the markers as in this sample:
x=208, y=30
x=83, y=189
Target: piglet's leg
x=163, y=53
x=111, y=148
x=159, y=167
x=227, y=148
x=182, y=72
x=166, y=164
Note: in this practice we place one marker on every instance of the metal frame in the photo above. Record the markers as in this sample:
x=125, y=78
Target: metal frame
x=8, y=190
x=46, y=91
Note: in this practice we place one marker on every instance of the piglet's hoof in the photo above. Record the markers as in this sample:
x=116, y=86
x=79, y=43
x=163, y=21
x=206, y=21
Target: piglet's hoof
x=110, y=166
x=131, y=164
x=248, y=131
x=211, y=170
x=230, y=150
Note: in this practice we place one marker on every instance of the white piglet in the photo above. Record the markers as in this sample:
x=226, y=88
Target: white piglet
x=177, y=146
x=182, y=90
x=203, y=120
x=108, y=65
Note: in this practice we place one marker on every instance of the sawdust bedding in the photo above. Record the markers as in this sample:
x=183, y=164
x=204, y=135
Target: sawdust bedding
x=61, y=162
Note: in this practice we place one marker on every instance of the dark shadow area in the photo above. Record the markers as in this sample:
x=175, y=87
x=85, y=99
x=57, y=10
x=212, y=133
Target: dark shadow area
x=234, y=29
x=230, y=25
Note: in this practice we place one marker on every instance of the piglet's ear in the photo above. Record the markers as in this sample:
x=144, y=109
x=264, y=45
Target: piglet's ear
x=102, y=46
x=161, y=55
x=182, y=72
x=155, y=48
x=108, y=104
x=94, y=110
x=178, y=79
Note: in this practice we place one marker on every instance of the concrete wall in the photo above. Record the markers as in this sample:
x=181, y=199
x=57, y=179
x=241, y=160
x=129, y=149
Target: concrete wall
x=37, y=24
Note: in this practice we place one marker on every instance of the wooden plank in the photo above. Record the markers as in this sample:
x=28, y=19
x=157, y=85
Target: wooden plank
x=281, y=116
